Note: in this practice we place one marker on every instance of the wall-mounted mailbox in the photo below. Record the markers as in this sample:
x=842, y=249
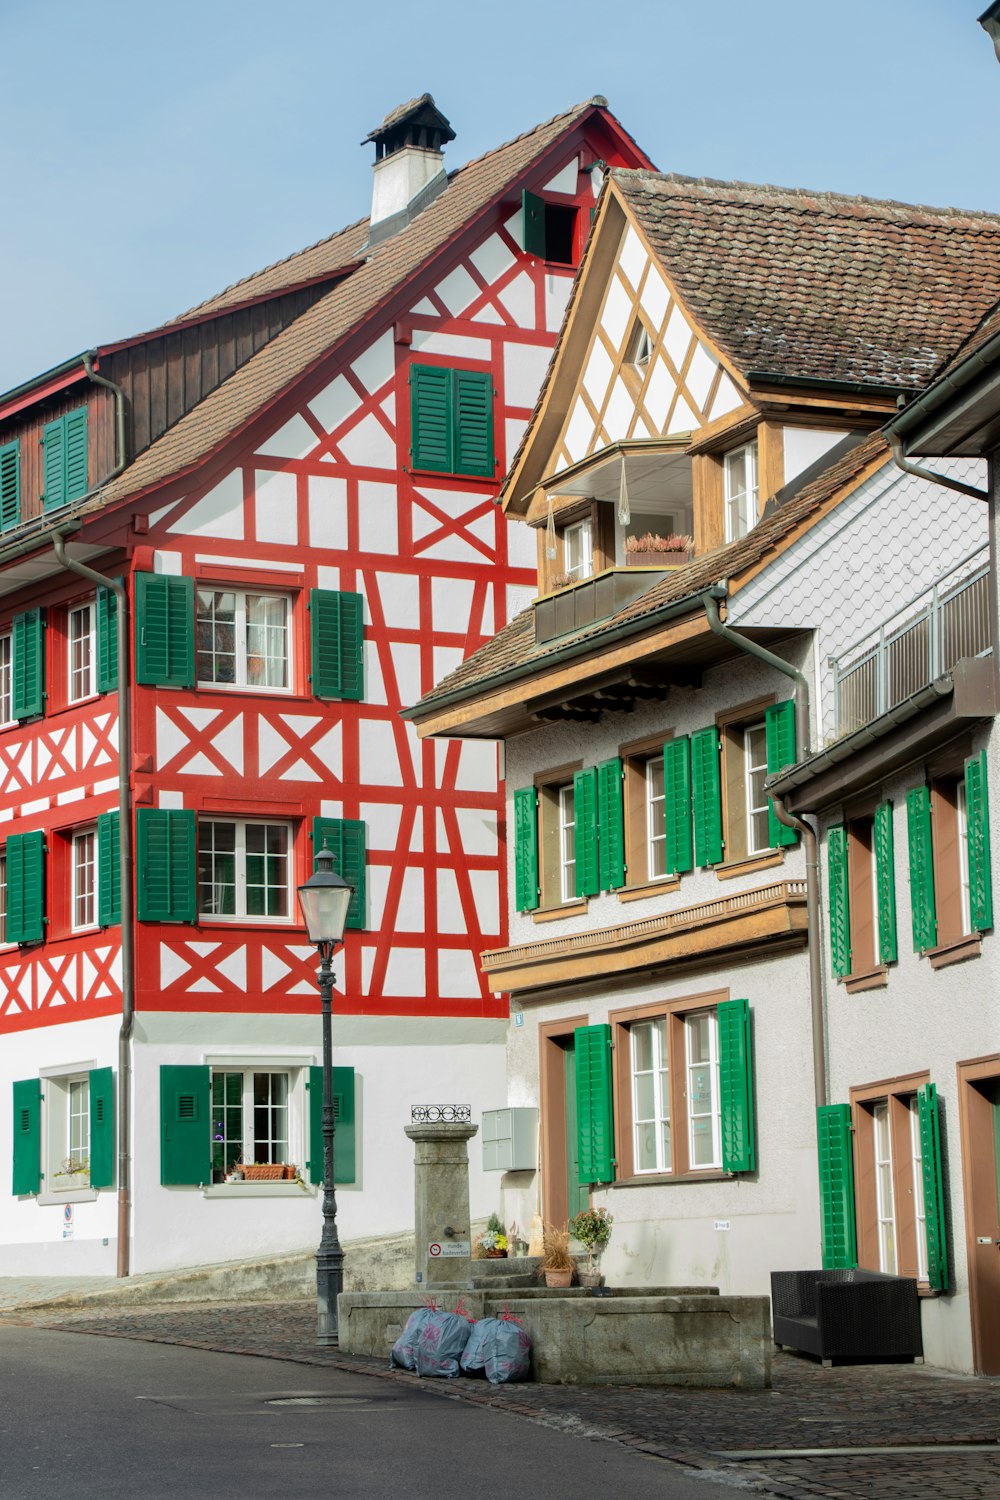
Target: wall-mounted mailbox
x=510, y=1140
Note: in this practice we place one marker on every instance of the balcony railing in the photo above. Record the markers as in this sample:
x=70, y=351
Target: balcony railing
x=925, y=638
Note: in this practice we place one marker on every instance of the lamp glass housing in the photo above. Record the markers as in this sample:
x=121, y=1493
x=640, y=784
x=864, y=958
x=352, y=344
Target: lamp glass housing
x=325, y=899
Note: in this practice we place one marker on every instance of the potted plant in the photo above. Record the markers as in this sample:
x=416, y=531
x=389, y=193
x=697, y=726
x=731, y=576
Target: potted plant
x=74, y=1172
x=654, y=551
x=492, y=1243
x=592, y=1227
x=557, y=1263
x=559, y=581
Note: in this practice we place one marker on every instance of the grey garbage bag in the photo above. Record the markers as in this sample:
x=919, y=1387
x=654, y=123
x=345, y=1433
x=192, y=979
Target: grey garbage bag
x=404, y=1350
x=500, y=1348
x=441, y=1343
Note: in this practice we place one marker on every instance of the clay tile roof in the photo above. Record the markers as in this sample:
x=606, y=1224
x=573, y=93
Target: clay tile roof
x=252, y=387
x=514, y=646
x=821, y=285
x=988, y=327
x=402, y=112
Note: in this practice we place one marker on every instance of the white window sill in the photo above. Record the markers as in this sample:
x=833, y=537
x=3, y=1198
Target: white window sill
x=47, y=1199
x=261, y=1189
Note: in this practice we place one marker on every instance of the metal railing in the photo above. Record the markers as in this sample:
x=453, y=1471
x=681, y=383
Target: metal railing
x=918, y=643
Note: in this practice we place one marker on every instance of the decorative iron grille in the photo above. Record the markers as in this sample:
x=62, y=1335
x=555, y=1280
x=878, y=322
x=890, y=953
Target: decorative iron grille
x=441, y=1114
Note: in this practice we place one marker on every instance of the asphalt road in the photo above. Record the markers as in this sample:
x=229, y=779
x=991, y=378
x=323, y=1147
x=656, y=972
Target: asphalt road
x=121, y=1420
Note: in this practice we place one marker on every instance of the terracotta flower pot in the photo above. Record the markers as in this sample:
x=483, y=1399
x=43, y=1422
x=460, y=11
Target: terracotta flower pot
x=558, y=1278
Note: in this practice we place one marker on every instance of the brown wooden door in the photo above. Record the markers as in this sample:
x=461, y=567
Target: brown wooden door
x=980, y=1107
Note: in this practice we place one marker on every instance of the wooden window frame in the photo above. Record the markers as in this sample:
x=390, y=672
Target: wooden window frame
x=675, y=1012
x=634, y=757
x=553, y=1151
x=570, y=511
x=548, y=785
x=752, y=494
x=896, y=1093
x=738, y=858
x=867, y=970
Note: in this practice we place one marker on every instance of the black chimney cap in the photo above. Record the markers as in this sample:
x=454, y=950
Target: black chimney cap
x=419, y=122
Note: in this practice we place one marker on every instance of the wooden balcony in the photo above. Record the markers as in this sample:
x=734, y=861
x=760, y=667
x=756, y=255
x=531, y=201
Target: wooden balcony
x=581, y=604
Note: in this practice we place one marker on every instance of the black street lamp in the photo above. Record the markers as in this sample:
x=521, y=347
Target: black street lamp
x=324, y=899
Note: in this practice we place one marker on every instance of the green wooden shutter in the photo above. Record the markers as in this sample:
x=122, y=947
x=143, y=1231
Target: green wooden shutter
x=611, y=824
x=977, y=830
x=885, y=883
x=337, y=627
x=779, y=733
x=25, y=887
x=594, y=1112
x=27, y=1136
x=736, y=1086
x=928, y=1109
x=166, y=865
x=109, y=904
x=473, y=408
x=164, y=630
x=432, y=424
x=53, y=464
x=679, y=846
x=102, y=1127
x=526, y=848
x=922, y=905
x=107, y=641
x=185, y=1125
x=75, y=454
x=533, y=223
x=840, y=900
x=10, y=486
x=706, y=786
x=346, y=839
x=588, y=877
x=28, y=667
x=836, y=1186
x=344, y=1135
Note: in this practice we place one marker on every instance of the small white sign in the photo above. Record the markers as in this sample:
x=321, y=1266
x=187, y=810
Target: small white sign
x=518, y=1018
x=67, y=1233
x=449, y=1249
x=722, y=1223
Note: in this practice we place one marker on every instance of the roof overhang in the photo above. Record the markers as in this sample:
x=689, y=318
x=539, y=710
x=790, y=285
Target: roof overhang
x=31, y=558
x=957, y=415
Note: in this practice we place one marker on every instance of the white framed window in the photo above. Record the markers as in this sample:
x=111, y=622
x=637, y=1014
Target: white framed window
x=640, y=347
x=79, y=1123
x=656, y=823
x=754, y=774
x=251, y=1120
x=741, y=497
x=578, y=549
x=6, y=680
x=66, y=1129
x=701, y=1035
x=567, y=844
x=885, y=1200
x=84, y=877
x=650, y=1096
x=242, y=639
x=919, y=1208
x=82, y=646
x=244, y=870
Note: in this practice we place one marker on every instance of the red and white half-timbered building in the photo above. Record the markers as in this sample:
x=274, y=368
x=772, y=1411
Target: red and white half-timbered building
x=288, y=494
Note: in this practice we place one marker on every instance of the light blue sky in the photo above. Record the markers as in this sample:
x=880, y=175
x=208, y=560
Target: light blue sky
x=152, y=151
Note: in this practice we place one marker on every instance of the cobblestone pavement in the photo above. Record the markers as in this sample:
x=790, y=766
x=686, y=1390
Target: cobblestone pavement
x=847, y=1410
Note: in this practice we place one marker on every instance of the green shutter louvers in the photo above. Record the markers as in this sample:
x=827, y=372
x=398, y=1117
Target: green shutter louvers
x=885, y=883
x=10, y=486
x=166, y=865
x=679, y=841
x=611, y=824
x=706, y=786
x=779, y=734
x=977, y=834
x=102, y=1127
x=107, y=640
x=27, y=1094
x=840, y=900
x=185, y=1125
x=594, y=1111
x=344, y=1133
x=109, y=906
x=64, y=459
x=922, y=904
x=586, y=865
x=836, y=1185
x=337, y=622
x=28, y=664
x=25, y=854
x=930, y=1153
x=346, y=838
x=736, y=1086
x=164, y=630
x=526, y=848
x=473, y=406
x=451, y=420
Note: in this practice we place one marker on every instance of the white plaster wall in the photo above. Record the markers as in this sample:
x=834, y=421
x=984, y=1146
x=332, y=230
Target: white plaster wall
x=844, y=577
x=804, y=445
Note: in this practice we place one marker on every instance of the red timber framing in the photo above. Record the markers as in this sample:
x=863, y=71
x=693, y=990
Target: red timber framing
x=319, y=492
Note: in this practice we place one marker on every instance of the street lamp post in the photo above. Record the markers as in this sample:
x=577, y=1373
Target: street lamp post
x=324, y=899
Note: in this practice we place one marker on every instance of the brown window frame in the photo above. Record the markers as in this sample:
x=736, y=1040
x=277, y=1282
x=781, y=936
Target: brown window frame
x=635, y=756
x=568, y=513
x=867, y=969
x=896, y=1093
x=621, y=1021
x=548, y=785
x=738, y=858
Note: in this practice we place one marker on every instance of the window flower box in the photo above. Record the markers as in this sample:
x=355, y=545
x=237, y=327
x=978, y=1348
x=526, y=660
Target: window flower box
x=265, y=1171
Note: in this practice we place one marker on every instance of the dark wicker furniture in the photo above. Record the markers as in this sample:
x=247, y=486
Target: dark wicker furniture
x=846, y=1314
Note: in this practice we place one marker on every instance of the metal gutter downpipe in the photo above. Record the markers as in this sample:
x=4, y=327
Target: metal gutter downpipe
x=119, y=395
x=896, y=444
x=125, y=879
x=810, y=843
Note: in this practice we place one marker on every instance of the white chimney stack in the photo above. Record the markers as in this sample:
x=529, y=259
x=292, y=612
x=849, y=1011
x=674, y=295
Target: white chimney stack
x=409, y=167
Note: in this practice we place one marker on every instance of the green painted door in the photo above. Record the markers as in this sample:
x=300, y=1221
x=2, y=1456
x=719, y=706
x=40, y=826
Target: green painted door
x=578, y=1194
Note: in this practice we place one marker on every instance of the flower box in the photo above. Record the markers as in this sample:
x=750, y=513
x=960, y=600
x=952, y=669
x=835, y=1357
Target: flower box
x=265, y=1171
x=656, y=559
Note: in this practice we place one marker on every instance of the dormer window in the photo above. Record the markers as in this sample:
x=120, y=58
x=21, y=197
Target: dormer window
x=549, y=230
x=578, y=550
x=741, y=490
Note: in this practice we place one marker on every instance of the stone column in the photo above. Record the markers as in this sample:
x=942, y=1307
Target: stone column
x=443, y=1231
